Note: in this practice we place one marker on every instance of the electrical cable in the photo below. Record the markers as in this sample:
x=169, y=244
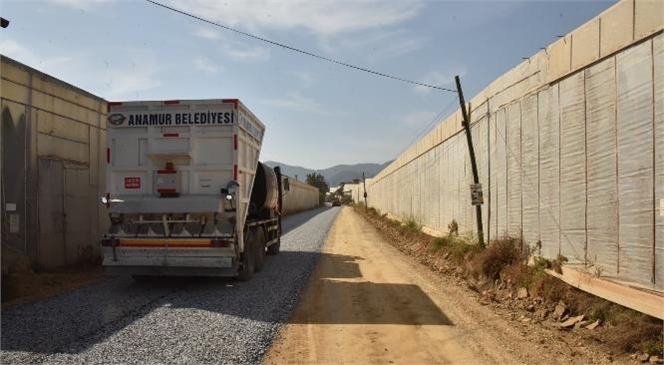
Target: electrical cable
x=428, y=127
x=300, y=50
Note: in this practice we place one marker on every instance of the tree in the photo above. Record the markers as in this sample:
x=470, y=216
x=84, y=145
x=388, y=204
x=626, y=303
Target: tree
x=340, y=190
x=317, y=180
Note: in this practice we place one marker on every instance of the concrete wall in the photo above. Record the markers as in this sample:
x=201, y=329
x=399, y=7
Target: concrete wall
x=355, y=191
x=301, y=197
x=53, y=165
x=568, y=146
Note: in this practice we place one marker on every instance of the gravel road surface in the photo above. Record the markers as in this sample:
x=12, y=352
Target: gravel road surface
x=174, y=321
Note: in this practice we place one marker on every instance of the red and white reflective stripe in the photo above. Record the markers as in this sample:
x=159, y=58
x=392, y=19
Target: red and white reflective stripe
x=112, y=103
x=171, y=102
x=170, y=135
x=231, y=101
x=235, y=172
x=235, y=142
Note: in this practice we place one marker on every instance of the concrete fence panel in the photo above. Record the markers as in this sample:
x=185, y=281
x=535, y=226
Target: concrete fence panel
x=569, y=151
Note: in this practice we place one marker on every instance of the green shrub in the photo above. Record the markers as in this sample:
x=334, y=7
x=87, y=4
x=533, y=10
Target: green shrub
x=412, y=226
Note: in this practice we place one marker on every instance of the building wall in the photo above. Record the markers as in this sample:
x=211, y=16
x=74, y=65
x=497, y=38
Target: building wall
x=568, y=146
x=300, y=197
x=53, y=165
x=355, y=191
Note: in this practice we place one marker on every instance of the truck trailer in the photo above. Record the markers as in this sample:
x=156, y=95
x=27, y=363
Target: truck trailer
x=186, y=193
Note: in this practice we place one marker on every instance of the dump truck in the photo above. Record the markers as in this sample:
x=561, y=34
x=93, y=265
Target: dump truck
x=186, y=193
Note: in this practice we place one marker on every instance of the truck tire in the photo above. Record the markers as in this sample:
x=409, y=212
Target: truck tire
x=260, y=250
x=247, y=262
x=274, y=248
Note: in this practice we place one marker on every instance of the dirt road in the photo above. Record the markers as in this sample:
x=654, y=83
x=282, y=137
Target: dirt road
x=368, y=303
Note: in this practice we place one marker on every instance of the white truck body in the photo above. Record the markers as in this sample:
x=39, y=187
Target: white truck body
x=179, y=179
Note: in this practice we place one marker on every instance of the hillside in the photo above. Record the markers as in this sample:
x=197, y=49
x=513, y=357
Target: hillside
x=333, y=175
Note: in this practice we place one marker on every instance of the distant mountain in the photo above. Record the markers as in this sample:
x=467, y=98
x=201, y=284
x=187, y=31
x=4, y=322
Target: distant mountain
x=333, y=175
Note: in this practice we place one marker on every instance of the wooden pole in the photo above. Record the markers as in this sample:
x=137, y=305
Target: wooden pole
x=364, y=181
x=473, y=162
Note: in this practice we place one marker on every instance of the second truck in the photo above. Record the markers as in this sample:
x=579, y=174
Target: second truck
x=186, y=194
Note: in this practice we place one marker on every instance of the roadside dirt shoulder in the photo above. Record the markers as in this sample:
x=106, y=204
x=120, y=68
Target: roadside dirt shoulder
x=26, y=286
x=369, y=303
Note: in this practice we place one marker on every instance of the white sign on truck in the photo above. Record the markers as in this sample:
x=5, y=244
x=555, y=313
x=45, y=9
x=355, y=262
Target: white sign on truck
x=186, y=192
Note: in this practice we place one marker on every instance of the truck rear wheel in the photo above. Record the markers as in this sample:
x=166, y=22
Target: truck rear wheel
x=247, y=263
x=274, y=248
x=260, y=250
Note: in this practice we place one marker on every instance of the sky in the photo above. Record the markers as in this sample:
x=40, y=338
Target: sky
x=317, y=114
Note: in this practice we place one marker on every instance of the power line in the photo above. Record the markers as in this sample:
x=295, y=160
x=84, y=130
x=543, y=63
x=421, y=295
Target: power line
x=300, y=50
x=426, y=129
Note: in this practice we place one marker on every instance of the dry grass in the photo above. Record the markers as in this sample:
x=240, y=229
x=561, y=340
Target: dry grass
x=500, y=254
x=505, y=261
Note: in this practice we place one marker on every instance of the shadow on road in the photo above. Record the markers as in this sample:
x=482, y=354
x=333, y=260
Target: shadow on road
x=371, y=303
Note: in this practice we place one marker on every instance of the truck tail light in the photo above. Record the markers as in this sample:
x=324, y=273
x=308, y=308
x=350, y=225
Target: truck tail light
x=110, y=242
x=220, y=243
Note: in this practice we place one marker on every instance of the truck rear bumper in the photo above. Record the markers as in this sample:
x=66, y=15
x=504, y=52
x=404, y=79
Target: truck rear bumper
x=170, y=271
x=169, y=261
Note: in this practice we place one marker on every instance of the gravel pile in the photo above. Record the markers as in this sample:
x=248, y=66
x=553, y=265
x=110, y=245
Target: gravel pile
x=175, y=321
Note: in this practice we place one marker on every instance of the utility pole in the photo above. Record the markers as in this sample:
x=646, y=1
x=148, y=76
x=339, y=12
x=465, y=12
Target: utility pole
x=476, y=189
x=364, y=181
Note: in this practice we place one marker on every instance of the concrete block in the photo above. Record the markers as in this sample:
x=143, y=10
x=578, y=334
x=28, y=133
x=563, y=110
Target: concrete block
x=449, y=128
x=75, y=112
x=58, y=147
x=65, y=91
x=560, y=53
x=68, y=109
x=458, y=118
x=522, y=71
x=542, y=60
x=478, y=111
x=54, y=125
x=585, y=44
x=11, y=71
x=617, y=27
x=496, y=86
x=648, y=16
x=13, y=91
